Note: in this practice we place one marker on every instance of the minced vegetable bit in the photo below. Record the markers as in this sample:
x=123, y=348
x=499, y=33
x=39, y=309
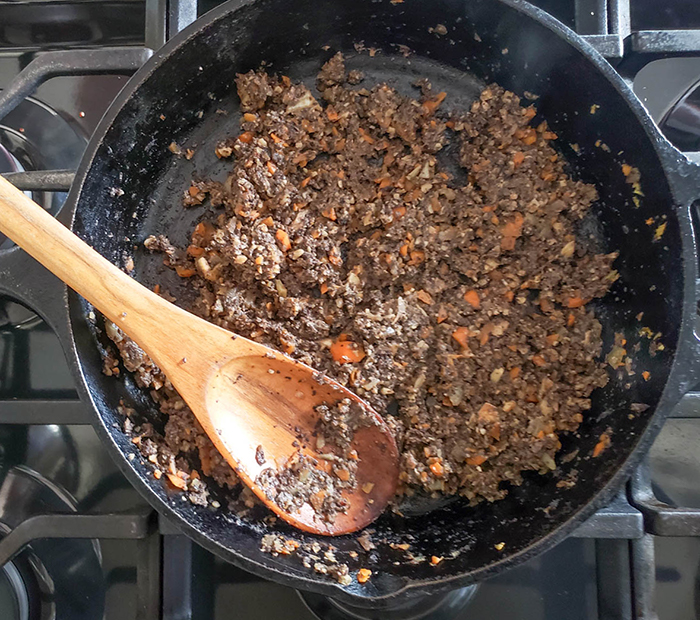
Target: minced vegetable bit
x=363, y=575
x=454, y=300
x=602, y=445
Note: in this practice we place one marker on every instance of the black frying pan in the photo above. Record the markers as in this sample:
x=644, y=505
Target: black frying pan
x=505, y=41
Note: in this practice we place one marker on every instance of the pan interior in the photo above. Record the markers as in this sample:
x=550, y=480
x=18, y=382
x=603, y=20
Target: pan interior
x=134, y=184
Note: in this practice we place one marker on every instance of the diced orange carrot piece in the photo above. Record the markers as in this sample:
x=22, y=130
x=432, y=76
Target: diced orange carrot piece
x=602, y=444
x=363, y=575
x=530, y=140
x=329, y=212
x=283, y=239
x=476, y=460
x=425, y=297
x=461, y=335
x=432, y=104
x=437, y=468
x=472, y=298
x=514, y=228
x=417, y=257
x=511, y=231
x=176, y=481
x=347, y=352
x=399, y=212
x=552, y=339
x=185, y=272
x=365, y=136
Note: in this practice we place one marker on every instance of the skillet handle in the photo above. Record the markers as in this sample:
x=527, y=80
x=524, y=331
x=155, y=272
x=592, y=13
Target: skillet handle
x=684, y=178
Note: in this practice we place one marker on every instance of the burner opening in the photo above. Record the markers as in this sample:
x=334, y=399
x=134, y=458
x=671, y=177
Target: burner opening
x=13, y=160
x=14, y=598
x=8, y=162
x=14, y=315
x=445, y=606
x=33, y=136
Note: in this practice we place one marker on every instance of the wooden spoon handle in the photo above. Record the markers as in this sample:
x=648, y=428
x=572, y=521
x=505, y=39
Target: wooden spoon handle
x=88, y=273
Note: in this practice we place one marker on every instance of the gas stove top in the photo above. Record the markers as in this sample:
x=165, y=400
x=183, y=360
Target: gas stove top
x=78, y=543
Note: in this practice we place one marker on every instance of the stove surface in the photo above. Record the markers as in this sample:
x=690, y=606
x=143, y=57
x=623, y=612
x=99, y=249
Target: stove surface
x=56, y=463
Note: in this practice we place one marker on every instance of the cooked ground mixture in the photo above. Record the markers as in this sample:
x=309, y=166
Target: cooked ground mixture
x=454, y=303
x=304, y=479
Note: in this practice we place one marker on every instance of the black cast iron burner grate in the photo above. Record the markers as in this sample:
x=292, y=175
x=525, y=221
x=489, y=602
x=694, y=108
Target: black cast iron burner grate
x=623, y=531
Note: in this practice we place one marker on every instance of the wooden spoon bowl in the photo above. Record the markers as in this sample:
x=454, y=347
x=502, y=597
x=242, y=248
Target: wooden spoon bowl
x=276, y=400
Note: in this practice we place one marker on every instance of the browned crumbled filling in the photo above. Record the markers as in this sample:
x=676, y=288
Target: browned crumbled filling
x=320, y=557
x=454, y=304
x=302, y=480
x=320, y=480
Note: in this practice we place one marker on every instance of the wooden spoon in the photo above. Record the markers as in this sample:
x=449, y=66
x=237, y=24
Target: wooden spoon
x=255, y=404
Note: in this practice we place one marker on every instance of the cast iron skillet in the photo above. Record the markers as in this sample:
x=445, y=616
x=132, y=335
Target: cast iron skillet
x=130, y=185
